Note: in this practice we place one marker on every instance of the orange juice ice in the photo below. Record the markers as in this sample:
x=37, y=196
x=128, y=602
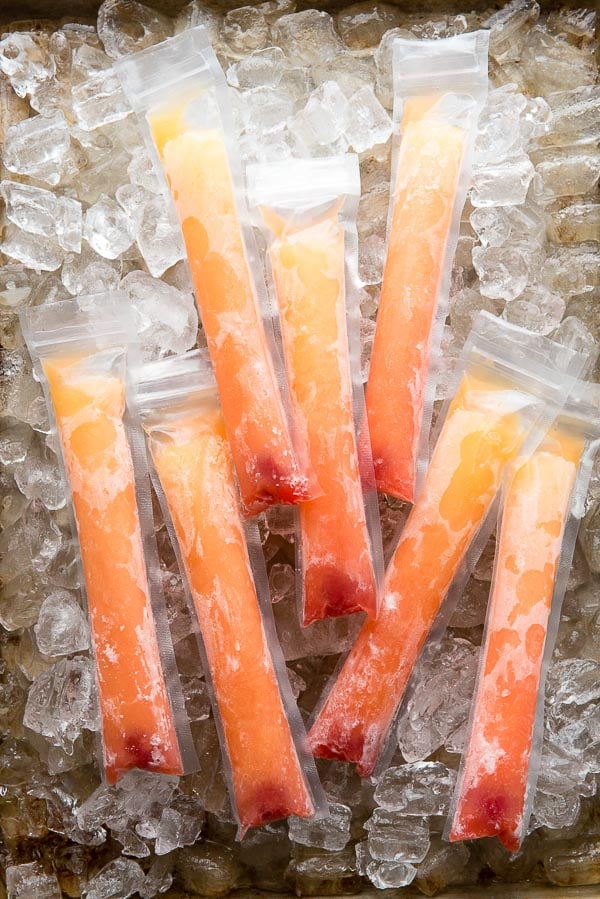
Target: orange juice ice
x=491, y=795
x=193, y=462
x=307, y=262
x=137, y=719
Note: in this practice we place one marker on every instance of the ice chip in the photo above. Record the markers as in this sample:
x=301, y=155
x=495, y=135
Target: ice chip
x=25, y=61
x=332, y=832
x=107, y=229
x=125, y=26
x=167, y=319
x=42, y=212
x=38, y=147
x=62, y=627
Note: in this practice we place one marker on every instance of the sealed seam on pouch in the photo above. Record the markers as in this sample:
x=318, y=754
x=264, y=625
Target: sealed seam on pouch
x=439, y=87
x=271, y=773
x=504, y=403
x=80, y=355
x=181, y=94
x=537, y=528
x=307, y=210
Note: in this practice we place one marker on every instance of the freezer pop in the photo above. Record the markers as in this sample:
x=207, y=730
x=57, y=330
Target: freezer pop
x=137, y=720
x=427, y=177
x=483, y=431
x=197, y=169
x=492, y=790
x=193, y=462
x=307, y=263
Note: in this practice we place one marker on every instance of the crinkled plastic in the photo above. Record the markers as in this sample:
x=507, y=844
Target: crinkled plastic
x=511, y=384
x=440, y=87
x=307, y=210
x=540, y=512
x=79, y=349
x=180, y=92
x=270, y=770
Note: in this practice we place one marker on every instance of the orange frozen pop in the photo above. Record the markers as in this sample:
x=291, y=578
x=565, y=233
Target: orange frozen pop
x=492, y=789
x=439, y=87
x=137, y=720
x=307, y=262
x=427, y=175
x=193, y=462
x=197, y=169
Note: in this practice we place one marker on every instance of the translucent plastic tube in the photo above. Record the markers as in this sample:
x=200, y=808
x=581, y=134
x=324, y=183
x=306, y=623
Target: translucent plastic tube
x=440, y=87
x=81, y=357
x=271, y=773
x=181, y=94
x=307, y=208
x=506, y=396
x=533, y=556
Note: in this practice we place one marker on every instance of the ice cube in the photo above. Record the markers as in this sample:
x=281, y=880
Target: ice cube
x=332, y=832
x=420, y=788
x=31, y=881
x=282, y=581
x=107, y=229
x=125, y=26
x=63, y=701
x=39, y=211
x=443, y=865
x=262, y=68
x=41, y=255
x=575, y=223
x=556, y=811
x=394, y=838
x=324, y=119
x=121, y=877
x=15, y=440
x=39, y=147
x=369, y=124
x=567, y=171
x=307, y=37
x=99, y=101
x=180, y=824
x=552, y=64
x=509, y=28
x=362, y=25
x=145, y=171
x=572, y=270
x=264, y=110
x=167, y=319
x=491, y=224
x=15, y=285
x=38, y=476
x=384, y=875
x=62, y=626
x=503, y=184
x=503, y=271
x=88, y=273
x=245, y=30
x=155, y=227
x=26, y=61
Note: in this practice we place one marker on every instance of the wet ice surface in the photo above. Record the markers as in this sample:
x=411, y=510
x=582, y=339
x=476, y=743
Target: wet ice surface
x=86, y=210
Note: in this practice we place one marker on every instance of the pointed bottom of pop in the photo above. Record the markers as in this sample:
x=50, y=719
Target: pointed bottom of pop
x=139, y=750
x=388, y=481
x=330, y=593
x=275, y=485
x=350, y=746
x=269, y=803
x=488, y=814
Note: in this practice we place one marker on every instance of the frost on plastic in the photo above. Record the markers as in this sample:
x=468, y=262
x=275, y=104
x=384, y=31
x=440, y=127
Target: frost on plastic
x=80, y=353
x=307, y=212
x=270, y=772
x=181, y=93
x=440, y=87
x=540, y=514
x=511, y=385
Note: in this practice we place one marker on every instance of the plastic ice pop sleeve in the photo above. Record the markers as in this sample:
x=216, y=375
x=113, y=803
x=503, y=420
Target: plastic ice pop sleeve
x=307, y=210
x=181, y=94
x=507, y=395
x=540, y=512
x=270, y=770
x=440, y=87
x=80, y=355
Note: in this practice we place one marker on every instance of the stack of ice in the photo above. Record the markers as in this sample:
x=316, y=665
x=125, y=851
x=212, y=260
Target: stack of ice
x=85, y=209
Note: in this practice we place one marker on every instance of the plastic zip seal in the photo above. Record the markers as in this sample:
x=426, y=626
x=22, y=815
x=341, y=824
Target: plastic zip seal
x=270, y=771
x=508, y=393
x=80, y=349
x=440, y=87
x=307, y=211
x=181, y=96
x=537, y=528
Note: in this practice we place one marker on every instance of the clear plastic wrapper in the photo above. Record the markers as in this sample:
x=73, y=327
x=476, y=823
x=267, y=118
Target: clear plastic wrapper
x=439, y=89
x=307, y=209
x=511, y=384
x=80, y=349
x=542, y=503
x=180, y=92
x=270, y=770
